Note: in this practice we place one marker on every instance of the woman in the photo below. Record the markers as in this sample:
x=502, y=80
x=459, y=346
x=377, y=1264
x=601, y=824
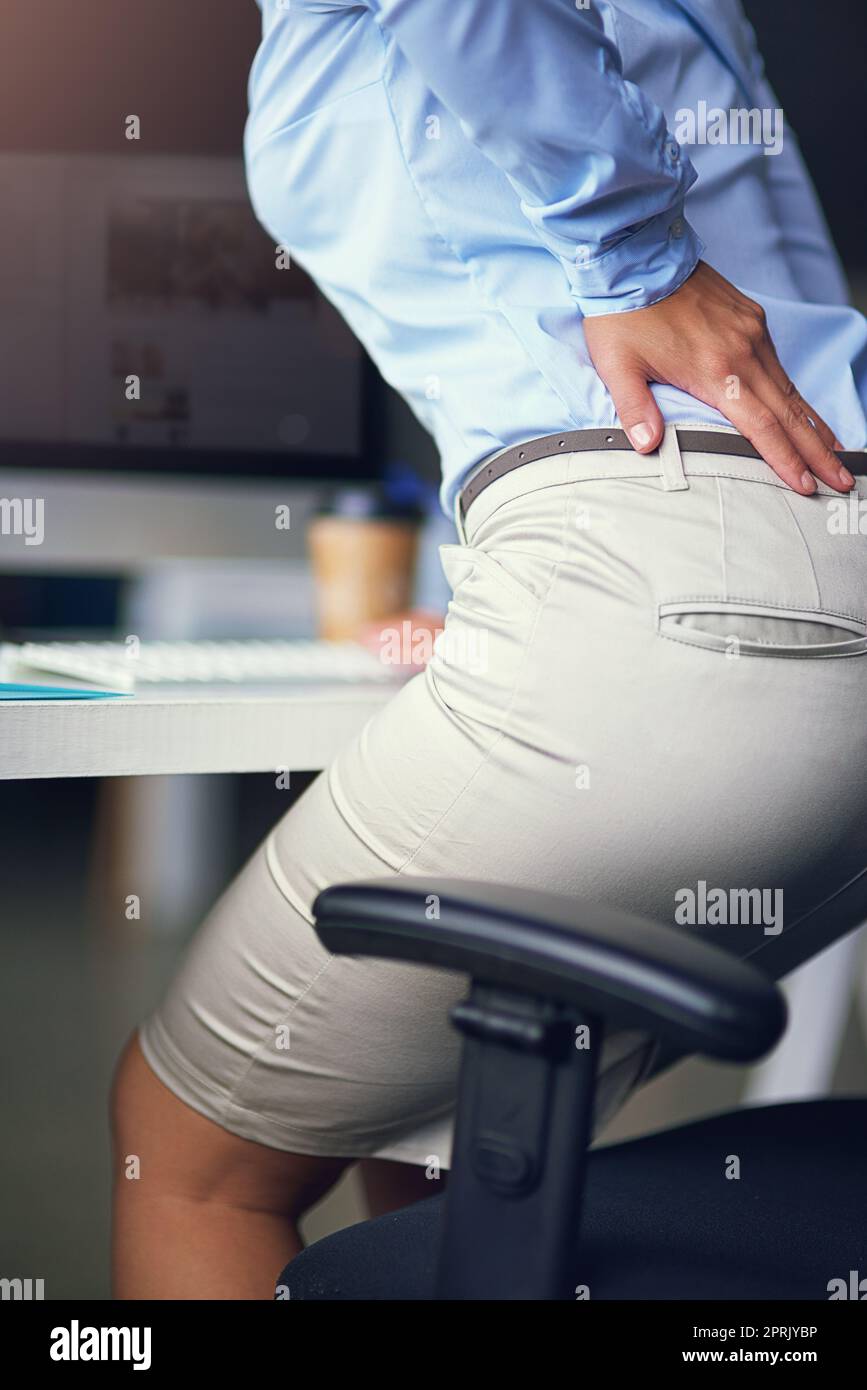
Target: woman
x=672, y=637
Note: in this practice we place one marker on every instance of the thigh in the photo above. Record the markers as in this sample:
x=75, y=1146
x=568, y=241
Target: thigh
x=267, y=1034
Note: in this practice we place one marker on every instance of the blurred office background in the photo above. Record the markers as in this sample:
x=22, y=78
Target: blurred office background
x=121, y=257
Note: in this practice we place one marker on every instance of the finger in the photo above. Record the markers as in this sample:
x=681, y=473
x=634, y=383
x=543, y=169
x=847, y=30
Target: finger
x=758, y=423
x=778, y=375
x=794, y=415
x=638, y=412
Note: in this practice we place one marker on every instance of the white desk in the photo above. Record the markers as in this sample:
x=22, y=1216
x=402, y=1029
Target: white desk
x=185, y=729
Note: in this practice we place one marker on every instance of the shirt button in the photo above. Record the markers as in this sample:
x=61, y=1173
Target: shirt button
x=677, y=228
x=672, y=149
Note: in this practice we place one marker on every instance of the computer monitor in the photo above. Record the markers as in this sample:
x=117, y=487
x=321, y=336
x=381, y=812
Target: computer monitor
x=148, y=324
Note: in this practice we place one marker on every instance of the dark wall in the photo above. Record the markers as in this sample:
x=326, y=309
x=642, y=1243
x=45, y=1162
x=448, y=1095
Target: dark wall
x=814, y=53
x=71, y=70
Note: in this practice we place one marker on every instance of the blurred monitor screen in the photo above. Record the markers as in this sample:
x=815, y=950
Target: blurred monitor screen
x=114, y=267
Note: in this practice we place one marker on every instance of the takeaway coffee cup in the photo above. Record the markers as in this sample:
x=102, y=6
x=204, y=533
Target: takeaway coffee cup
x=363, y=552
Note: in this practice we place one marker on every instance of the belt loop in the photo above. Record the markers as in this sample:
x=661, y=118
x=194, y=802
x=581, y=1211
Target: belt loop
x=671, y=463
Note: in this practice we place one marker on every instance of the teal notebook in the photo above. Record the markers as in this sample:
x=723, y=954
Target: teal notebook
x=56, y=692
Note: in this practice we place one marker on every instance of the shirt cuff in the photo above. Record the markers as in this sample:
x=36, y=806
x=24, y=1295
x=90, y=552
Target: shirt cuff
x=646, y=266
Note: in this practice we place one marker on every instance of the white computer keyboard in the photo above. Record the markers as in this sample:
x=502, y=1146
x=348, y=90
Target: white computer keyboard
x=118, y=666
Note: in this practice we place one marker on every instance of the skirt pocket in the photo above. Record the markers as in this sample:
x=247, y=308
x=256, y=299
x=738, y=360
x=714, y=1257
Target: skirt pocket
x=742, y=628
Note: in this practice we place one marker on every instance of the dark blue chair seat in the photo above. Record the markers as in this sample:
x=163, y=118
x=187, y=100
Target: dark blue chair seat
x=661, y=1219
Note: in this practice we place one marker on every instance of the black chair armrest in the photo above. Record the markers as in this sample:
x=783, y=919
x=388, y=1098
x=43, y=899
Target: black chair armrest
x=630, y=972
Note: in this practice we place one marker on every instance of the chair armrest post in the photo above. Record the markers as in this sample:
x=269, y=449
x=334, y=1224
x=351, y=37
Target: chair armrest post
x=541, y=965
x=523, y=1126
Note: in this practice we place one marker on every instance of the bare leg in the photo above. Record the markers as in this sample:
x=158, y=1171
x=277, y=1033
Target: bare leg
x=210, y=1216
x=389, y=1186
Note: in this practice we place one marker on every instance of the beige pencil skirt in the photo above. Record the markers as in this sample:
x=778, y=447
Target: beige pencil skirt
x=653, y=676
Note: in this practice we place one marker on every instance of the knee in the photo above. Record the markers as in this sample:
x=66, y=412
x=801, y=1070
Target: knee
x=165, y=1148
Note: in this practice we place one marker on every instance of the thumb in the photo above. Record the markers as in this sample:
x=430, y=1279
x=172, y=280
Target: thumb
x=639, y=414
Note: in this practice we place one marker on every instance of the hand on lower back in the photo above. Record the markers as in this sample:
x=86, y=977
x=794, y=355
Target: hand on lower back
x=712, y=341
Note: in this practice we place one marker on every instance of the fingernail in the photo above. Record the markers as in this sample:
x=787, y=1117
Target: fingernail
x=640, y=435
x=846, y=477
x=808, y=481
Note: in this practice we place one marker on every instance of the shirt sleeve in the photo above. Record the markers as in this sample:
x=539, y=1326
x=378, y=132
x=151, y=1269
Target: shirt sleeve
x=538, y=86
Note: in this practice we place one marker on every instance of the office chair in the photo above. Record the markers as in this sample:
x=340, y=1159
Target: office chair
x=766, y=1202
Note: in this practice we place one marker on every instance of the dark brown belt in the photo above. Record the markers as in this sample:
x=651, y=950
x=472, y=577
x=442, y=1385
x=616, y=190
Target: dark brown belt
x=579, y=441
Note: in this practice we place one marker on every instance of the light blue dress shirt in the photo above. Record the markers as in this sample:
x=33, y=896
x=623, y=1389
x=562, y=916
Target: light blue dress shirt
x=466, y=180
